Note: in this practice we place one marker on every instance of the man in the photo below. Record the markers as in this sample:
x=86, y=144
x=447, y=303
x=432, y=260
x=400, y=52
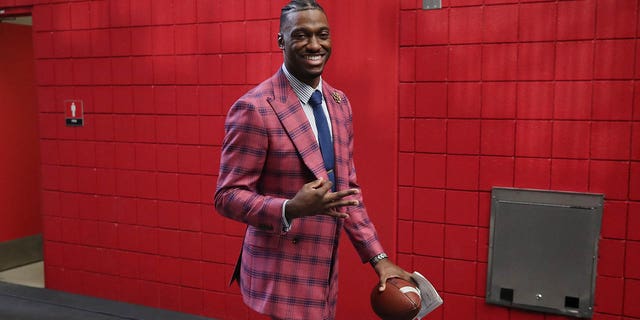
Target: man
x=287, y=172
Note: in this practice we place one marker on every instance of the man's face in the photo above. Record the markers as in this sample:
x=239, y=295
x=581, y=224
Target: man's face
x=306, y=43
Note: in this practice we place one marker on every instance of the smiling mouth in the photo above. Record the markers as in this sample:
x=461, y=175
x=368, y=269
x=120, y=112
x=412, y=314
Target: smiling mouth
x=316, y=57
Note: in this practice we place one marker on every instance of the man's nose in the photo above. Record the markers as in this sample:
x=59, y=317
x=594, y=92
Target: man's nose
x=314, y=43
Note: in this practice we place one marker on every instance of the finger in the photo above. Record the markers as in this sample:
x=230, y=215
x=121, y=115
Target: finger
x=346, y=203
x=343, y=203
x=345, y=193
x=316, y=183
x=337, y=214
x=340, y=195
x=326, y=186
x=384, y=283
x=320, y=183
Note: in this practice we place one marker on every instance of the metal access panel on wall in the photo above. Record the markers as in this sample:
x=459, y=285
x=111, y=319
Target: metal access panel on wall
x=543, y=248
x=431, y=4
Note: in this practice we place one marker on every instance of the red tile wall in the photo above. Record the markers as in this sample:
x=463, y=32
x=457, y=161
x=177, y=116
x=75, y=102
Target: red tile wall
x=514, y=93
x=128, y=209
x=127, y=198
x=530, y=94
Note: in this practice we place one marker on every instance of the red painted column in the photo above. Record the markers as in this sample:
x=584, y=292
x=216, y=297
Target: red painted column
x=19, y=158
x=364, y=65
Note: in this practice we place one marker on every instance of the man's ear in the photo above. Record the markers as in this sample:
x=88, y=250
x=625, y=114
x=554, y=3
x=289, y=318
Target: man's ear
x=280, y=41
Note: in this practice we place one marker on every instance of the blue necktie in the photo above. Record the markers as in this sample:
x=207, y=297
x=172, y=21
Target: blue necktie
x=324, y=136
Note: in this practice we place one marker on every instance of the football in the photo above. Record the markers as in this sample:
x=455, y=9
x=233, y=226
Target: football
x=399, y=301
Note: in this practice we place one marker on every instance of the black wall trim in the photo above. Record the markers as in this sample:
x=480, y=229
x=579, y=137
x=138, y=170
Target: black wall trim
x=15, y=253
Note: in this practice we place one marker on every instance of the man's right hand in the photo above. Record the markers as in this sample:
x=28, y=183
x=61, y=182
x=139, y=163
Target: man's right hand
x=316, y=198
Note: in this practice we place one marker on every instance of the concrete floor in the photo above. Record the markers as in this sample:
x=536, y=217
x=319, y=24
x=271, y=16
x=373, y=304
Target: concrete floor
x=23, y=297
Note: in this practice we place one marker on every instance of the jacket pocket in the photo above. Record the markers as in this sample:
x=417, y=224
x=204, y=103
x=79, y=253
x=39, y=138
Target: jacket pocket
x=262, y=239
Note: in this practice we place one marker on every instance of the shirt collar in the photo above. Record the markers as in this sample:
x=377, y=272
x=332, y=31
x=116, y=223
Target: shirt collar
x=302, y=90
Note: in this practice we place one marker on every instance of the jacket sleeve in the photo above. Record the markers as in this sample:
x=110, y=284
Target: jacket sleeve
x=359, y=227
x=243, y=156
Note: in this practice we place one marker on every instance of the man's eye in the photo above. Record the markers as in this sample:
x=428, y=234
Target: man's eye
x=299, y=36
x=324, y=36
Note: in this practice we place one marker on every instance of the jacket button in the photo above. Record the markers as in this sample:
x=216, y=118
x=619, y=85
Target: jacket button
x=294, y=241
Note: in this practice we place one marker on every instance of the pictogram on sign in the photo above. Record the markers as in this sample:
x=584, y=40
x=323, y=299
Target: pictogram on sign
x=74, y=113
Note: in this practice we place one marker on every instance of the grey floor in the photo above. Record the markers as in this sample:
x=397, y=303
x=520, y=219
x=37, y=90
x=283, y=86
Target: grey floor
x=23, y=297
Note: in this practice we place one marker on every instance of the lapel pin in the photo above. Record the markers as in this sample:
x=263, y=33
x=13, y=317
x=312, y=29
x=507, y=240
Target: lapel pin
x=336, y=97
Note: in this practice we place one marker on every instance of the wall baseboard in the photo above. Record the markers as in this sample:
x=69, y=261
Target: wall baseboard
x=18, y=252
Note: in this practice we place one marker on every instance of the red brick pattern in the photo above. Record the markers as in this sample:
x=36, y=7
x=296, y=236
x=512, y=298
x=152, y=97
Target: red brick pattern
x=514, y=93
x=127, y=198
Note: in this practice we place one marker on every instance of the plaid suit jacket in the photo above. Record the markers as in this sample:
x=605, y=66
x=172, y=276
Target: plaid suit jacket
x=269, y=152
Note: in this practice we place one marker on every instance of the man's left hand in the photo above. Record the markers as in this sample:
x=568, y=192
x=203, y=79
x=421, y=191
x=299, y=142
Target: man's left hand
x=387, y=269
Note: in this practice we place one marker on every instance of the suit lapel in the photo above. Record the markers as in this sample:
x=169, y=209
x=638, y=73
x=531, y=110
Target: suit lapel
x=289, y=111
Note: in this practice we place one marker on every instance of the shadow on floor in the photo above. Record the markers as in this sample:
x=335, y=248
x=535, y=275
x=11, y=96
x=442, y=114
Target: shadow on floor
x=19, y=302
